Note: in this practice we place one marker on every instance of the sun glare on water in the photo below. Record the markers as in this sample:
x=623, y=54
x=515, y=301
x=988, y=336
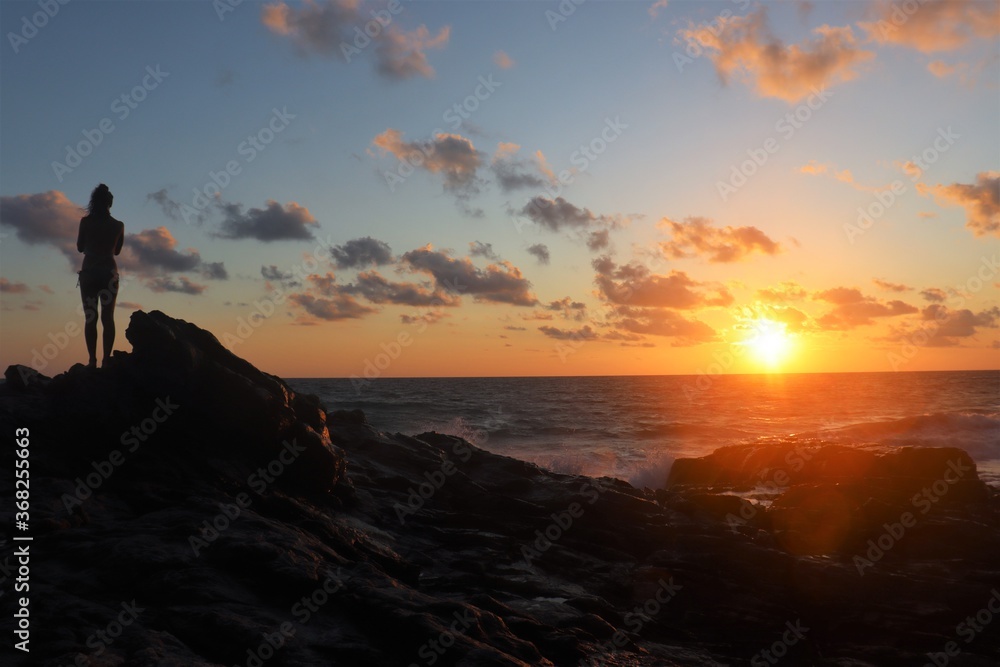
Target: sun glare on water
x=770, y=343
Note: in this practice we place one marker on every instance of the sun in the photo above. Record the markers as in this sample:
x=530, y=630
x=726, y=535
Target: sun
x=769, y=342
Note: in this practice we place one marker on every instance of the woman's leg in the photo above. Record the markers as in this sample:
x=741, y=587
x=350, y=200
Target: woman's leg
x=109, y=296
x=89, y=296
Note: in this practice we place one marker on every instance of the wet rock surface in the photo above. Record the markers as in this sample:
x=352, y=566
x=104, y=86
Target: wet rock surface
x=189, y=509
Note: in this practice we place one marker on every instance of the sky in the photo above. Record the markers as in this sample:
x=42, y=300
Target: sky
x=344, y=188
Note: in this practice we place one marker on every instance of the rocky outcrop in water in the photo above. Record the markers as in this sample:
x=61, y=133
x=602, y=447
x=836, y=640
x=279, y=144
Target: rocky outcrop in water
x=189, y=509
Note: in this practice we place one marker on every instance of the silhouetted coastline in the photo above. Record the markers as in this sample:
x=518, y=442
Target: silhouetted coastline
x=231, y=520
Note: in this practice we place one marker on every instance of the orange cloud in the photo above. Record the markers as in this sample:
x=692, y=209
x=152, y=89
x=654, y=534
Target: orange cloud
x=981, y=201
x=635, y=285
x=941, y=25
x=340, y=29
x=154, y=250
x=786, y=291
x=744, y=46
x=942, y=327
x=451, y=155
x=844, y=175
x=654, y=9
x=941, y=69
x=696, y=236
x=401, y=55
x=814, y=168
x=890, y=287
x=660, y=322
x=502, y=60
x=43, y=218
x=853, y=309
x=500, y=282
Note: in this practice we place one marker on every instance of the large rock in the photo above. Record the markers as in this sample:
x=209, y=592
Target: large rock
x=223, y=544
x=179, y=381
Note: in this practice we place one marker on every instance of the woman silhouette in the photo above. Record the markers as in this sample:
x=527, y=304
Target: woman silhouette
x=100, y=239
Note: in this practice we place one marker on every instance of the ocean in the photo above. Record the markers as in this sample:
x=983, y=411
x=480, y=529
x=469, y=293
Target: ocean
x=633, y=427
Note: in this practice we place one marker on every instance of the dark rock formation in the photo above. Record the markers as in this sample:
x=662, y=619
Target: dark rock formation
x=248, y=526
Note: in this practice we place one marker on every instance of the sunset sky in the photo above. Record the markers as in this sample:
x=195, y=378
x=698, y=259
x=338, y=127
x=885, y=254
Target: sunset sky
x=514, y=188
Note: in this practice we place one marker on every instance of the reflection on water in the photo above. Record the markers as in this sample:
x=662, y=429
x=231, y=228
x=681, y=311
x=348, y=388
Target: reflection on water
x=633, y=427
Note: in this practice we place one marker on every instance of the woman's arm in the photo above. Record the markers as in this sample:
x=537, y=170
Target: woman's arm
x=121, y=237
x=81, y=237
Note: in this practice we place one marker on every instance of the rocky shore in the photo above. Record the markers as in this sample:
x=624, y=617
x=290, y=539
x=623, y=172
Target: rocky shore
x=189, y=509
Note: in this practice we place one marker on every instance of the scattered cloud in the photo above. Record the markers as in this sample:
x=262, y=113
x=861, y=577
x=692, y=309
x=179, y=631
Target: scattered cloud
x=599, y=240
x=272, y=272
x=361, y=252
x=697, y=237
x=981, y=201
x=154, y=250
x=214, y=271
x=431, y=317
x=663, y=322
x=654, y=9
x=225, y=78
x=744, y=47
x=933, y=26
x=584, y=333
x=502, y=60
x=271, y=223
x=890, y=287
x=934, y=294
x=556, y=214
x=541, y=252
x=513, y=173
x=781, y=293
x=942, y=327
x=44, y=218
x=844, y=176
x=170, y=208
x=326, y=300
x=7, y=287
x=169, y=284
x=793, y=318
x=340, y=29
x=402, y=55
x=633, y=284
x=854, y=309
x=452, y=156
x=569, y=309
x=336, y=307
x=478, y=249
x=500, y=282
x=941, y=69
x=377, y=289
